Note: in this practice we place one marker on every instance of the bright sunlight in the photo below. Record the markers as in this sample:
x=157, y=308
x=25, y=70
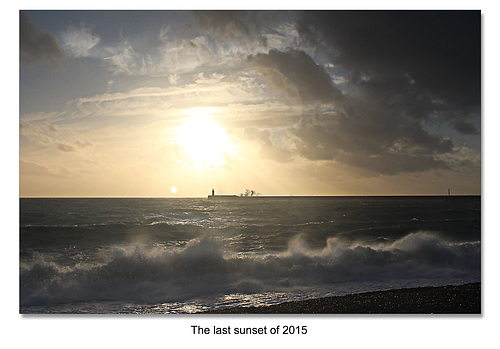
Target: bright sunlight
x=201, y=139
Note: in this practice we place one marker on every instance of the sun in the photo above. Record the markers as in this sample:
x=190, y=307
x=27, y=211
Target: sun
x=173, y=190
x=202, y=140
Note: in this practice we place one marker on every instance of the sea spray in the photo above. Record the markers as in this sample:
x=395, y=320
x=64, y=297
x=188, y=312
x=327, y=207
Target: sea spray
x=157, y=274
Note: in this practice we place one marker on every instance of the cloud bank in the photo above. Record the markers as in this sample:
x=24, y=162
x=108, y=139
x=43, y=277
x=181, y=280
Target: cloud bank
x=402, y=70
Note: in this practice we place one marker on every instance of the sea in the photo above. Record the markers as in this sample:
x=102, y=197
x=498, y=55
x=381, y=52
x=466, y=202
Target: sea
x=190, y=255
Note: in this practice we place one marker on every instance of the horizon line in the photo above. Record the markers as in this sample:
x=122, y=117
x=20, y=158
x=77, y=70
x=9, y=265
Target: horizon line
x=235, y=195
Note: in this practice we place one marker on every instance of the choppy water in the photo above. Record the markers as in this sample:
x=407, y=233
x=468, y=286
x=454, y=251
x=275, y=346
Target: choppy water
x=189, y=255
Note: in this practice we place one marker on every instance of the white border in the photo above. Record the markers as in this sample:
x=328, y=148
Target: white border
x=332, y=331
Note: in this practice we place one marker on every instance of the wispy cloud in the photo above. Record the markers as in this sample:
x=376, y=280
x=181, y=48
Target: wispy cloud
x=79, y=41
x=51, y=136
x=122, y=58
x=31, y=168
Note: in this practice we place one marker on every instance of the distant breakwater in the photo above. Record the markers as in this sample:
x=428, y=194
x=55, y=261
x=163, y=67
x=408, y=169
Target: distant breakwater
x=452, y=198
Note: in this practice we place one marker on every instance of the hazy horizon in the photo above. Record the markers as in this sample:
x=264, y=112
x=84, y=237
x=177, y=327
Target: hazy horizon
x=287, y=103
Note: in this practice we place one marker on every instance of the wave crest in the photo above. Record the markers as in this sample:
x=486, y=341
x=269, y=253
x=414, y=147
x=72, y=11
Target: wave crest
x=137, y=272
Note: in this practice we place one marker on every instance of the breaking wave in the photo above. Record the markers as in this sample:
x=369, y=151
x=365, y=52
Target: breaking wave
x=147, y=273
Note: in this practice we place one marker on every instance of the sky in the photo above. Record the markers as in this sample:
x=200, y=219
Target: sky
x=175, y=103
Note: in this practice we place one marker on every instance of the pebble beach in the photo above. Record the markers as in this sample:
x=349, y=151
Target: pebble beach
x=450, y=299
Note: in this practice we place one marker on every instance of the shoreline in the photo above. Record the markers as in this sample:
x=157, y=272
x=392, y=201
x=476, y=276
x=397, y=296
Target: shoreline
x=449, y=299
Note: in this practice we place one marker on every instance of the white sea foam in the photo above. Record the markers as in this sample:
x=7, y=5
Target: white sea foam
x=153, y=274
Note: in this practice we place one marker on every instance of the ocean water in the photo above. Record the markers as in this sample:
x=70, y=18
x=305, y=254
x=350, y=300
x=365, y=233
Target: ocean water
x=116, y=255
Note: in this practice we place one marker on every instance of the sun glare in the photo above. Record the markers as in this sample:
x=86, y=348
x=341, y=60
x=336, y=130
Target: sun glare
x=201, y=139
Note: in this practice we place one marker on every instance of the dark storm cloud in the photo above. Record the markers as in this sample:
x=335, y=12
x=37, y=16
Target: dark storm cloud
x=37, y=44
x=466, y=128
x=312, y=81
x=402, y=68
x=383, y=146
x=439, y=50
x=375, y=125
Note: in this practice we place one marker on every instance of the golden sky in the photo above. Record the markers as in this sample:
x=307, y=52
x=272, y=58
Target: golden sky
x=169, y=103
